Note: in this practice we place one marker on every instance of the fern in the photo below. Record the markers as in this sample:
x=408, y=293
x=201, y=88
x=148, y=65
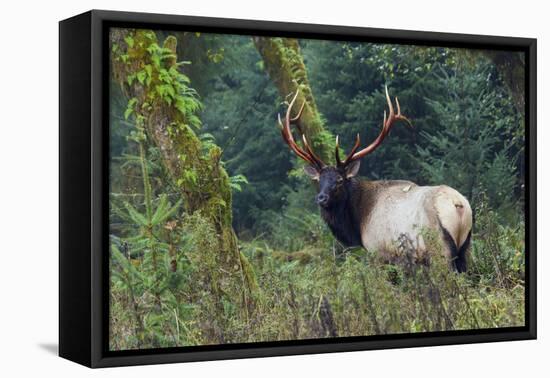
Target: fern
x=235, y=182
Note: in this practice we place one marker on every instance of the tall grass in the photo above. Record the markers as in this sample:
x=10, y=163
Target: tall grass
x=318, y=290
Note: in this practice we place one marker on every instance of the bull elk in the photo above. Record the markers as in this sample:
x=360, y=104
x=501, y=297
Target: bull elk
x=376, y=214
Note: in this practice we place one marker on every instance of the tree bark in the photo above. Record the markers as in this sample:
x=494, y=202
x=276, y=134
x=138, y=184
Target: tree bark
x=195, y=169
x=284, y=64
x=511, y=68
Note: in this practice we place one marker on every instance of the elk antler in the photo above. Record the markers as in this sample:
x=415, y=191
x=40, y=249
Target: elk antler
x=307, y=155
x=386, y=126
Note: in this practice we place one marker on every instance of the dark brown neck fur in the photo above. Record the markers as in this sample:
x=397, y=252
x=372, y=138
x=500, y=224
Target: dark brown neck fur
x=344, y=216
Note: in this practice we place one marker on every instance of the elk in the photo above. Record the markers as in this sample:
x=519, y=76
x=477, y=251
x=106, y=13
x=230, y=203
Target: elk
x=377, y=214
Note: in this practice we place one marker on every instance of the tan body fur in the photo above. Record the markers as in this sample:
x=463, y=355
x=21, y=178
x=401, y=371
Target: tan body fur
x=390, y=209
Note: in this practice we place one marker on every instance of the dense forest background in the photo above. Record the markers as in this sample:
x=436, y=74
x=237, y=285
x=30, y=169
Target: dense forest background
x=215, y=236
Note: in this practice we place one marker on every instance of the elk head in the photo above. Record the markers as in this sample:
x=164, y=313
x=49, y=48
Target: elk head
x=334, y=180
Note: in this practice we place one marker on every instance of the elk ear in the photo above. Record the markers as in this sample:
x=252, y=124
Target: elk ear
x=312, y=172
x=353, y=168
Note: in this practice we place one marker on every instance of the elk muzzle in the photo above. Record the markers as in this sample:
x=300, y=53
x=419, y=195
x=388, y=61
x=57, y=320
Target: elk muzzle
x=322, y=199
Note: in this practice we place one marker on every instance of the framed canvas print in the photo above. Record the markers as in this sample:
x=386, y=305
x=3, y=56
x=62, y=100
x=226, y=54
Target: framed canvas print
x=234, y=188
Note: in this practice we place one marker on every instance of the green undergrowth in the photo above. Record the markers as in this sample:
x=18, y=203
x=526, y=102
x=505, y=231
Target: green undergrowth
x=318, y=290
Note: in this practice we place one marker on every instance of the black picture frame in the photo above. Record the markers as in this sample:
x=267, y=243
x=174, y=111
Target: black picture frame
x=83, y=182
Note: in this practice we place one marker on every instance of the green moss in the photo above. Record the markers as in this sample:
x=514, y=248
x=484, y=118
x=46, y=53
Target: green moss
x=284, y=63
x=165, y=107
x=249, y=273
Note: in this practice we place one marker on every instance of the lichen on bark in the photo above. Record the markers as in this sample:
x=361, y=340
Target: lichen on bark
x=285, y=66
x=163, y=104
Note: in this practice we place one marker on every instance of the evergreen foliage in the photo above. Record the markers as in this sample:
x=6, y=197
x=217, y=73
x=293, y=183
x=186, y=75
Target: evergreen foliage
x=196, y=154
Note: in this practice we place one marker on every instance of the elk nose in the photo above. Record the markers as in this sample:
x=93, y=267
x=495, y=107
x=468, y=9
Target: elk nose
x=322, y=199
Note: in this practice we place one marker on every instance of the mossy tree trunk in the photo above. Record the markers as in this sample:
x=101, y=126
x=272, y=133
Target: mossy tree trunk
x=284, y=63
x=162, y=103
